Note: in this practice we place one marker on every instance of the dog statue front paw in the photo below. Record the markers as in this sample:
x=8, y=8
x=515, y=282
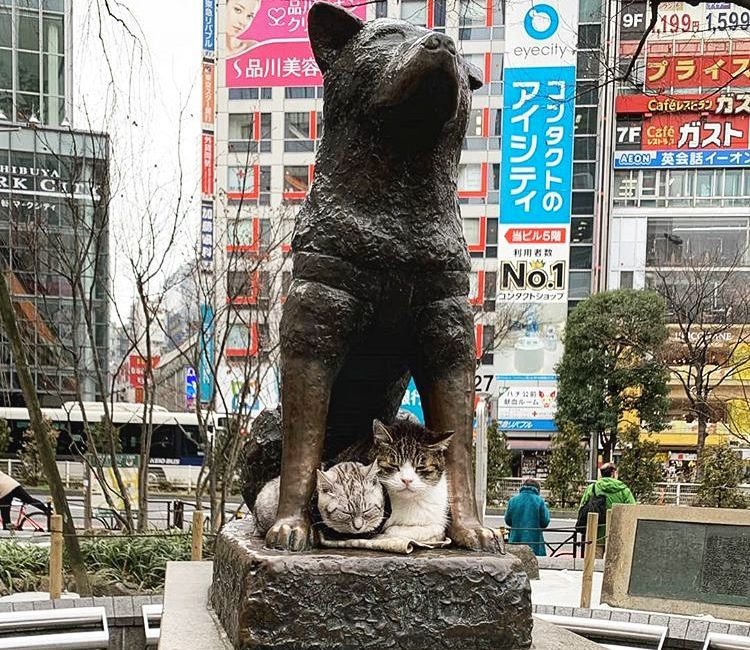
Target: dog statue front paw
x=290, y=534
x=472, y=536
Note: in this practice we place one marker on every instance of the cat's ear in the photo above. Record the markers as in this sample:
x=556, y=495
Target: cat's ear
x=441, y=441
x=371, y=472
x=381, y=434
x=325, y=485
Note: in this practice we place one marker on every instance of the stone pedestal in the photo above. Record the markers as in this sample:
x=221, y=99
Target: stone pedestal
x=357, y=599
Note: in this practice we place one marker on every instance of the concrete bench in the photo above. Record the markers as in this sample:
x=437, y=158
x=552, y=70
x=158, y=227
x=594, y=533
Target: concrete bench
x=58, y=629
x=621, y=634
x=716, y=641
x=151, y=623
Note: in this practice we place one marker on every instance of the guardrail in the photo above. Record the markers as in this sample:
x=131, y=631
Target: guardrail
x=680, y=494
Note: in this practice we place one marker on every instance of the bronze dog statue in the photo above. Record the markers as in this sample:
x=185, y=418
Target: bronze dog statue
x=381, y=270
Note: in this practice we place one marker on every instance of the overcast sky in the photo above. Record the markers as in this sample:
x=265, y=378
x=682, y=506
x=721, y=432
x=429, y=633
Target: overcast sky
x=134, y=88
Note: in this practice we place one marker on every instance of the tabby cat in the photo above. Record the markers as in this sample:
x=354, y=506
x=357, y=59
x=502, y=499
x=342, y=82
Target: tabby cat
x=349, y=501
x=411, y=459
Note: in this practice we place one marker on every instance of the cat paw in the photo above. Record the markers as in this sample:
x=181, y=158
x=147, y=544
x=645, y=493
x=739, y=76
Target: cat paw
x=290, y=534
x=475, y=537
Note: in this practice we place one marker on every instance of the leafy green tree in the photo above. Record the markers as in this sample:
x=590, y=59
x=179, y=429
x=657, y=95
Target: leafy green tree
x=639, y=466
x=720, y=469
x=612, y=364
x=566, y=471
x=32, y=468
x=499, y=457
x=4, y=436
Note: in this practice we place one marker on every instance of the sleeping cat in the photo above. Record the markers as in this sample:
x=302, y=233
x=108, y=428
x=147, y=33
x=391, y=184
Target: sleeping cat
x=412, y=469
x=349, y=501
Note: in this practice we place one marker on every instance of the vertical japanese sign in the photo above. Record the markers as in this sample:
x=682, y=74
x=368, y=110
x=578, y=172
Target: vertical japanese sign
x=208, y=105
x=535, y=203
x=265, y=43
x=209, y=27
x=206, y=358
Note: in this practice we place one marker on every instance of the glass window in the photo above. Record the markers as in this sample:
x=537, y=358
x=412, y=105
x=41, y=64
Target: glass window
x=705, y=183
x=297, y=126
x=54, y=75
x=583, y=203
x=584, y=147
x=580, y=257
x=588, y=65
x=471, y=230
x=381, y=8
x=27, y=31
x=496, y=74
x=6, y=69
x=589, y=37
x=583, y=176
x=5, y=23
x=414, y=11
x=732, y=182
x=585, y=120
x=470, y=177
x=27, y=104
x=241, y=126
x=581, y=230
x=241, y=178
x=626, y=279
x=498, y=12
x=472, y=13
x=238, y=337
x=475, y=123
x=296, y=178
x=54, y=41
x=579, y=283
x=243, y=93
x=590, y=11
x=303, y=92
x=495, y=169
x=28, y=71
x=241, y=232
x=438, y=14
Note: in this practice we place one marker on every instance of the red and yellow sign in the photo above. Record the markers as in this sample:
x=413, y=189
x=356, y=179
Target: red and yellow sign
x=695, y=131
x=207, y=165
x=721, y=104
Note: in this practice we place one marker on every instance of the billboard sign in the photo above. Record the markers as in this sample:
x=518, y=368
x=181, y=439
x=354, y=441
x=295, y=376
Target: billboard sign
x=207, y=165
x=535, y=197
x=268, y=46
x=208, y=107
x=207, y=355
x=682, y=159
x=207, y=234
x=714, y=70
x=209, y=27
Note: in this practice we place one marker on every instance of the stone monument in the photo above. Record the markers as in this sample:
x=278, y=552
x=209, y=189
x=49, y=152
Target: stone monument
x=380, y=293
x=682, y=560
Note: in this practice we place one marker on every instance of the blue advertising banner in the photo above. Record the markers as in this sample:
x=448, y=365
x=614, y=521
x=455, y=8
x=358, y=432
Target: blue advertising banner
x=537, y=145
x=411, y=402
x=682, y=159
x=207, y=353
x=209, y=27
x=536, y=162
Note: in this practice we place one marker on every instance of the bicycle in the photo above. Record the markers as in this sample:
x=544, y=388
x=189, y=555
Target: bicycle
x=32, y=519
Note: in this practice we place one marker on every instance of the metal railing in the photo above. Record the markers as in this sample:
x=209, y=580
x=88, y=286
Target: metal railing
x=679, y=494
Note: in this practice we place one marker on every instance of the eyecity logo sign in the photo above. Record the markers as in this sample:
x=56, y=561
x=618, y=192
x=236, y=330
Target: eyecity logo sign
x=541, y=22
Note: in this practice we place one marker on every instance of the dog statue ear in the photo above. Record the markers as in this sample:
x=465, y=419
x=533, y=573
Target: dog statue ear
x=475, y=76
x=330, y=28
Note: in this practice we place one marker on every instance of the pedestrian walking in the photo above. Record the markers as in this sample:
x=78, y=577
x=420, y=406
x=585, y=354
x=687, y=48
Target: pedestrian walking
x=527, y=514
x=599, y=497
x=11, y=489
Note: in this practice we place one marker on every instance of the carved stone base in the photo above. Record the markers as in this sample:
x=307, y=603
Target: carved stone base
x=357, y=599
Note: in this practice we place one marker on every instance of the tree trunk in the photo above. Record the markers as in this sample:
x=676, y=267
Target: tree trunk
x=40, y=427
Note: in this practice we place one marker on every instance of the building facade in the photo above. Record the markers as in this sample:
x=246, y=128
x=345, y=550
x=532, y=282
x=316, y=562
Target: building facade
x=54, y=248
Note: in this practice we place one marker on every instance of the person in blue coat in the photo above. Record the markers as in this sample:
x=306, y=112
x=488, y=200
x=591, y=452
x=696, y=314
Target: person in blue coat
x=526, y=515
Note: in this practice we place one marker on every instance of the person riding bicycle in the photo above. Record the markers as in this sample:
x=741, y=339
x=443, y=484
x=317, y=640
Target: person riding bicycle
x=11, y=489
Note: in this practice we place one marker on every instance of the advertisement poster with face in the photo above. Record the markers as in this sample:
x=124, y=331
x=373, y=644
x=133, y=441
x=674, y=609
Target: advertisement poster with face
x=265, y=42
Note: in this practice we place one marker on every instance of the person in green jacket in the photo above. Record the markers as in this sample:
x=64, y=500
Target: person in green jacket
x=615, y=491
x=526, y=515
